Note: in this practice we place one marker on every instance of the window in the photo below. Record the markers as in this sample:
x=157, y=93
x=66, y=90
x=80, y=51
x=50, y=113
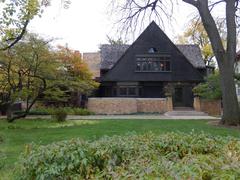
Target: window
x=122, y=91
x=154, y=63
x=152, y=50
x=132, y=91
x=128, y=91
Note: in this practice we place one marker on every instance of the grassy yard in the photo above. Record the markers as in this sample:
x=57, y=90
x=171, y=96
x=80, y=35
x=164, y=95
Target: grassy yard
x=16, y=135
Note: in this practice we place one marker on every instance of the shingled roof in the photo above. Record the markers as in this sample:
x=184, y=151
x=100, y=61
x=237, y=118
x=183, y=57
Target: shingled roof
x=193, y=54
x=110, y=54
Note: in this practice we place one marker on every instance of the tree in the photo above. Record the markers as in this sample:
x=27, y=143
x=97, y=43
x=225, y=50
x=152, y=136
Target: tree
x=78, y=79
x=118, y=41
x=210, y=89
x=32, y=71
x=135, y=10
x=15, y=16
x=26, y=72
x=196, y=34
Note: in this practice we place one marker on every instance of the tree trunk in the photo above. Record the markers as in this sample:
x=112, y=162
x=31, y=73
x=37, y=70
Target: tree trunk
x=225, y=57
x=9, y=112
x=231, y=114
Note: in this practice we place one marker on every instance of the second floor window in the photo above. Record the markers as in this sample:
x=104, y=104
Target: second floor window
x=153, y=64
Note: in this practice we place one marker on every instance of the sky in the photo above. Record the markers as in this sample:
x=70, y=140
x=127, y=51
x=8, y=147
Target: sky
x=86, y=24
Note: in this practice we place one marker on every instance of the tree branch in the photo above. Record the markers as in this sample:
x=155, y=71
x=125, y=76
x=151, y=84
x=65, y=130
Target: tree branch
x=18, y=38
x=192, y=2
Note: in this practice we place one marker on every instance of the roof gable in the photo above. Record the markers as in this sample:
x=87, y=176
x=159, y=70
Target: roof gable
x=152, y=37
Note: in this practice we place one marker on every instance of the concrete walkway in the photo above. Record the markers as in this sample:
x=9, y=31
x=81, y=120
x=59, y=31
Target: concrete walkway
x=169, y=115
x=137, y=116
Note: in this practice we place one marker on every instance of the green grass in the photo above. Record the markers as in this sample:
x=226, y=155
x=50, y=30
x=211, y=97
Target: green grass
x=17, y=135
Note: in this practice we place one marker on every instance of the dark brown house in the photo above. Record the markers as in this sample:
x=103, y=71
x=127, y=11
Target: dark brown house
x=149, y=68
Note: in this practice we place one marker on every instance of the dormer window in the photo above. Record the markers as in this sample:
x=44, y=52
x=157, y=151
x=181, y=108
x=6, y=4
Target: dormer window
x=153, y=63
x=152, y=50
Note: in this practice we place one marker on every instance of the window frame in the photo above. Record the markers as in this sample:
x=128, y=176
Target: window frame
x=127, y=91
x=147, y=63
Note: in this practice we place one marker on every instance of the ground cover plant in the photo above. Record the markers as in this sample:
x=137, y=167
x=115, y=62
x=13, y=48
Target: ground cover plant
x=15, y=136
x=49, y=110
x=167, y=156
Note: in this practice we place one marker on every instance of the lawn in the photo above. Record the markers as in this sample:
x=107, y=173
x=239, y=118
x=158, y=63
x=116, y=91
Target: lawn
x=16, y=135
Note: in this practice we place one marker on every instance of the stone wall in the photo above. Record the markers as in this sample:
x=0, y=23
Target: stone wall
x=112, y=105
x=128, y=105
x=151, y=105
x=212, y=107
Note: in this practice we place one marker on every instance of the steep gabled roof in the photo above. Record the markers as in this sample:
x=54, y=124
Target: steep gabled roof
x=193, y=54
x=124, y=68
x=110, y=54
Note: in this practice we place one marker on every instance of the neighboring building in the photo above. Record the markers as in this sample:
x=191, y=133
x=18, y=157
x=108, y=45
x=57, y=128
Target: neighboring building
x=152, y=63
x=93, y=60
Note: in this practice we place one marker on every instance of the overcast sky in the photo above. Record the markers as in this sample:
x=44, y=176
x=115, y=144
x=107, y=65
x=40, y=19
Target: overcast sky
x=85, y=24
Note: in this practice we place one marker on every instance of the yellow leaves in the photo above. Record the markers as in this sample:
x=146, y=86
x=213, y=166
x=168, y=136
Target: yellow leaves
x=73, y=61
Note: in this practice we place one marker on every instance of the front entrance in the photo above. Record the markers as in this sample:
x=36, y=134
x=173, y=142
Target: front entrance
x=183, y=96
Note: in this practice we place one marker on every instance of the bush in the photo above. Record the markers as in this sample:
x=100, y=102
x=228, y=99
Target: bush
x=210, y=89
x=82, y=112
x=38, y=111
x=59, y=114
x=168, y=156
x=49, y=110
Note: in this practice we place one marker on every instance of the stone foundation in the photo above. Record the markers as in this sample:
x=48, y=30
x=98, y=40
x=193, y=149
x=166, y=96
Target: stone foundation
x=128, y=105
x=151, y=105
x=212, y=107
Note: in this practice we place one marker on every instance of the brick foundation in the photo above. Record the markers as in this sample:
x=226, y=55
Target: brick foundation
x=212, y=107
x=128, y=105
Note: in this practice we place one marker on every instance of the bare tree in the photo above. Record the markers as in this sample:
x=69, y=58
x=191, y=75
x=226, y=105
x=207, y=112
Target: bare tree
x=134, y=13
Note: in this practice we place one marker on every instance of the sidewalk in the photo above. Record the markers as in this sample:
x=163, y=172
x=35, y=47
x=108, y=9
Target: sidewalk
x=135, y=116
x=138, y=116
x=169, y=116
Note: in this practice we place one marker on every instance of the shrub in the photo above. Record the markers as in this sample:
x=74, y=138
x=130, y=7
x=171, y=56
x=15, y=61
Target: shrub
x=82, y=112
x=210, y=89
x=49, y=110
x=168, y=156
x=59, y=114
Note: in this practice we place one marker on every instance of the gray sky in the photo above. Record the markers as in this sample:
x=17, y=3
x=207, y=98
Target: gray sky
x=85, y=25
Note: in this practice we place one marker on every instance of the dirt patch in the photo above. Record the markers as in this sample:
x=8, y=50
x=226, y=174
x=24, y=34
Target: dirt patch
x=218, y=124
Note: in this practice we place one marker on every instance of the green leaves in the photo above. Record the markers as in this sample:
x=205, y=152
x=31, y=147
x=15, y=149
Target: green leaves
x=148, y=156
x=210, y=89
x=14, y=19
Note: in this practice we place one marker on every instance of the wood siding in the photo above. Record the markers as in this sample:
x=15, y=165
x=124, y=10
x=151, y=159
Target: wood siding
x=153, y=37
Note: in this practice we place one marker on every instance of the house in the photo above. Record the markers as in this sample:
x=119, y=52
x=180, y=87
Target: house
x=149, y=67
x=93, y=59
